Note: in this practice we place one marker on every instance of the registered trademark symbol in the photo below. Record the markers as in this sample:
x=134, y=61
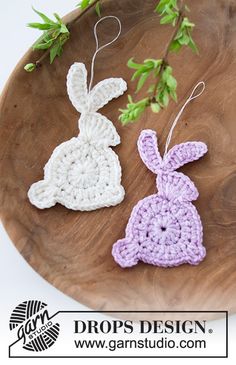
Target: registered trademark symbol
x=210, y=330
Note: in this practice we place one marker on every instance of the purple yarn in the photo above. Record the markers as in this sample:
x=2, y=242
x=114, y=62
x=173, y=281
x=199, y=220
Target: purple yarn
x=164, y=229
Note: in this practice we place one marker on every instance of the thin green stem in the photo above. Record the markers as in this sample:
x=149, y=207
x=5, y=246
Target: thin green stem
x=166, y=53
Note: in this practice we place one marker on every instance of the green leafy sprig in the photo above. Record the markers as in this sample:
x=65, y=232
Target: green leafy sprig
x=163, y=84
x=134, y=110
x=56, y=33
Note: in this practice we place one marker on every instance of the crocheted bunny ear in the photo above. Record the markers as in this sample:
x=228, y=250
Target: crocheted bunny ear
x=95, y=127
x=183, y=153
x=148, y=150
x=105, y=91
x=175, y=185
x=77, y=87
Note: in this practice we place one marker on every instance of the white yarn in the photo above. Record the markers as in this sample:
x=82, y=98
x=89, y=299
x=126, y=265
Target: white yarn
x=98, y=49
x=190, y=98
x=84, y=173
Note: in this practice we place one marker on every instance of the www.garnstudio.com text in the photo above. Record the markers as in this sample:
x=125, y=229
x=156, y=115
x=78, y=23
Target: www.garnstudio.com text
x=162, y=343
x=142, y=327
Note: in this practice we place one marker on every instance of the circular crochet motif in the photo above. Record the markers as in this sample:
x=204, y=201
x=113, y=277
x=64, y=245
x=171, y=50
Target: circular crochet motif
x=164, y=229
x=84, y=173
x=80, y=178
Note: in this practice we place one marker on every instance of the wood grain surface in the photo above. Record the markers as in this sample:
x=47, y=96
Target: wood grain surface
x=72, y=250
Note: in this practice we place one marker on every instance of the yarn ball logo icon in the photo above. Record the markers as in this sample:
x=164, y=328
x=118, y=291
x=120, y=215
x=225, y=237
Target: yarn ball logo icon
x=33, y=326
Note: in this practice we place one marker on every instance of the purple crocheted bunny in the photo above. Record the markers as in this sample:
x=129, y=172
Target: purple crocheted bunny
x=164, y=229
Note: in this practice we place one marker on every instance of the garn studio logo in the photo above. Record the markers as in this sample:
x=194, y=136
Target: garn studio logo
x=34, y=326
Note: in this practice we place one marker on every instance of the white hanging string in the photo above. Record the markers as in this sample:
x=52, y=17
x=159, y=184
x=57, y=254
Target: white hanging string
x=190, y=98
x=98, y=49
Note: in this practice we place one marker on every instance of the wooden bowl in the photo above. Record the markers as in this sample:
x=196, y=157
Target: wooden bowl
x=72, y=250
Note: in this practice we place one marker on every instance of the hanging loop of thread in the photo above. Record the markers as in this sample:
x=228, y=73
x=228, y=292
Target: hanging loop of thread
x=98, y=49
x=192, y=96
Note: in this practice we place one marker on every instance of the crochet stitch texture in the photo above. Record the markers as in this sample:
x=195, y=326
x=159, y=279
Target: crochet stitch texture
x=84, y=173
x=164, y=229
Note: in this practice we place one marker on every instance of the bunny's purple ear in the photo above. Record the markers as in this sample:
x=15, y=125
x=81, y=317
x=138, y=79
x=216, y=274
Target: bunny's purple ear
x=183, y=153
x=175, y=185
x=148, y=150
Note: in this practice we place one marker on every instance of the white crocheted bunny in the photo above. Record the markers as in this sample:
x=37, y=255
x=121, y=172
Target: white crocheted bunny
x=84, y=173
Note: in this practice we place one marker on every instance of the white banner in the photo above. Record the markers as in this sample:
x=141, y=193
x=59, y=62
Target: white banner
x=115, y=334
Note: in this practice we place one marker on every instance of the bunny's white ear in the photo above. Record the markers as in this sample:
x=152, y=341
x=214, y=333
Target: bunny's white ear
x=77, y=86
x=96, y=128
x=105, y=91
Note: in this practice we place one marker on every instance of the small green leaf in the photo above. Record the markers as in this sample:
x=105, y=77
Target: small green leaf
x=45, y=45
x=186, y=8
x=161, y=6
x=56, y=50
x=165, y=99
x=151, y=88
x=171, y=82
x=166, y=73
x=162, y=96
x=130, y=99
x=186, y=23
x=98, y=9
x=46, y=40
x=167, y=19
x=136, y=75
x=175, y=46
x=58, y=18
x=155, y=107
x=52, y=36
x=153, y=63
x=142, y=80
x=173, y=95
x=132, y=64
x=193, y=46
x=179, y=34
x=41, y=26
x=84, y=4
x=64, y=29
x=43, y=16
x=133, y=111
x=184, y=40
x=30, y=67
